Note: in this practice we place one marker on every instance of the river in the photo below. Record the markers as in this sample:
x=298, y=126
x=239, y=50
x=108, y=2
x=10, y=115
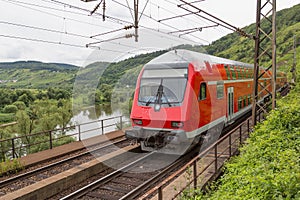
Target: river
x=90, y=122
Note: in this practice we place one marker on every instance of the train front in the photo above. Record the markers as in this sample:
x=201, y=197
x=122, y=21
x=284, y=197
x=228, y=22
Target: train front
x=160, y=111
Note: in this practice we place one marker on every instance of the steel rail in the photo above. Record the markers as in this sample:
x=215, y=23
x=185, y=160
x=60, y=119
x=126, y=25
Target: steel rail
x=55, y=164
x=82, y=191
x=154, y=180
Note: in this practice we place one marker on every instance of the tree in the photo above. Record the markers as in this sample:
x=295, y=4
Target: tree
x=10, y=109
x=4, y=146
x=20, y=105
x=64, y=112
x=24, y=129
x=24, y=98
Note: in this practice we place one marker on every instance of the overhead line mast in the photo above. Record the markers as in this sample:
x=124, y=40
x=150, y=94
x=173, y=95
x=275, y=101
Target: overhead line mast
x=265, y=50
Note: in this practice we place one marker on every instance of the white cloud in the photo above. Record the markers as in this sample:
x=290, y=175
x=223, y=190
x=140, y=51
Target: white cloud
x=237, y=12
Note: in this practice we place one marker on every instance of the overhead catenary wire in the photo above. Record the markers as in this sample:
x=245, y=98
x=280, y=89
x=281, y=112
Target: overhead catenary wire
x=167, y=25
x=96, y=8
x=236, y=29
x=173, y=3
x=116, y=38
x=55, y=31
x=44, y=29
x=124, y=22
x=113, y=31
x=116, y=20
x=60, y=43
x=194, y=29
x=26, y=5
x=120, y=21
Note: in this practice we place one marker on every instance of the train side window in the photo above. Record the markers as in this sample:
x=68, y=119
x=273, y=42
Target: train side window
x=244, y=73
x=265, y=83
x=245, y=101
x=249, y=99
x=233, y=73
x=240, y=103
x=202, y=92
x=220, y=89
x=251, y=73
x=248, y=75
x=227, y=72
x=238, y=69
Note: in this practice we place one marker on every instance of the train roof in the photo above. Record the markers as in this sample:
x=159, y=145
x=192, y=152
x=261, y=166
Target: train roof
x=186, y=56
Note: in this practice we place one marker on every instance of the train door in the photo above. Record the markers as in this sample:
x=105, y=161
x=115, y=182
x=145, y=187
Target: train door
x=230, y=103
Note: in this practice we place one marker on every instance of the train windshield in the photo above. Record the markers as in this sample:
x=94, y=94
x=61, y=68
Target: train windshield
x=163, y=86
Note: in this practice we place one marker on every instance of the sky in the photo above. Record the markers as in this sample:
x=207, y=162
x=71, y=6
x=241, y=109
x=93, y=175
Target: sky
x=52, y=31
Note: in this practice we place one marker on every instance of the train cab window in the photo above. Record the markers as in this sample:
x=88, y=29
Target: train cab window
x=202, y=92
x=220, y=89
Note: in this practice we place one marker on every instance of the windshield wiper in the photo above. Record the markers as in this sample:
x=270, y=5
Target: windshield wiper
x=149, y=101
x=160, y=93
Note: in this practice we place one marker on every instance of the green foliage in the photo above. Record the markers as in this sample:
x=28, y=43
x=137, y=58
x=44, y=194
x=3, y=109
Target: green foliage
x=6, y=117
x=235, y=47
x=10, y=166
x=42, y=115
x=10, y=109
x=268, y=167
x=33, y=74
x=20, y=105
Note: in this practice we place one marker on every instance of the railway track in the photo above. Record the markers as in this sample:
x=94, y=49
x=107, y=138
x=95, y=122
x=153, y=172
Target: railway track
x=19, y=181
x=132, y=180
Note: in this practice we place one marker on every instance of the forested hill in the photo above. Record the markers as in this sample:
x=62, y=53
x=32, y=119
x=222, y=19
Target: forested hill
x=235, y=47
x=36, y=65
x=34, y=74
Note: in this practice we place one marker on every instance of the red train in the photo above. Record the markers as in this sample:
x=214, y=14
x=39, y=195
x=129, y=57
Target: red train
x=181, y=94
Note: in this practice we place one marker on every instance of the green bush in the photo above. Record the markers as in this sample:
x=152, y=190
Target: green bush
x=6, y=117
x=268, y=167
x=10, y=166
x=10, y=109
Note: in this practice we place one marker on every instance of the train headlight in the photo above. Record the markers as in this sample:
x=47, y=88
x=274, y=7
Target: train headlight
x=177, y=124
x=157, y=107
x=137, y=122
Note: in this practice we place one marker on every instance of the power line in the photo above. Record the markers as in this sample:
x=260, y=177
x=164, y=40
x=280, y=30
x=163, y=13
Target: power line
x=113, y=31
x=120, y=21
x=44, y=29
x=48, y=13
x=167, y=25
x=60, y=43
x=229, y=26
x=115, y=20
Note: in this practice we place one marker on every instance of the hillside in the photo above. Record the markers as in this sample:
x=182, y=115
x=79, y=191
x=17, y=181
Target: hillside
x=234, y=47
x=34, y=74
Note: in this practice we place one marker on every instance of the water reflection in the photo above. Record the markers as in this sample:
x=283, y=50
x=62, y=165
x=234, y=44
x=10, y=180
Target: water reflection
x=90, y=122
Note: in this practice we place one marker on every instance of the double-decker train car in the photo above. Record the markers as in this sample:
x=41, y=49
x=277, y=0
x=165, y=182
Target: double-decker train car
x=182, y=94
